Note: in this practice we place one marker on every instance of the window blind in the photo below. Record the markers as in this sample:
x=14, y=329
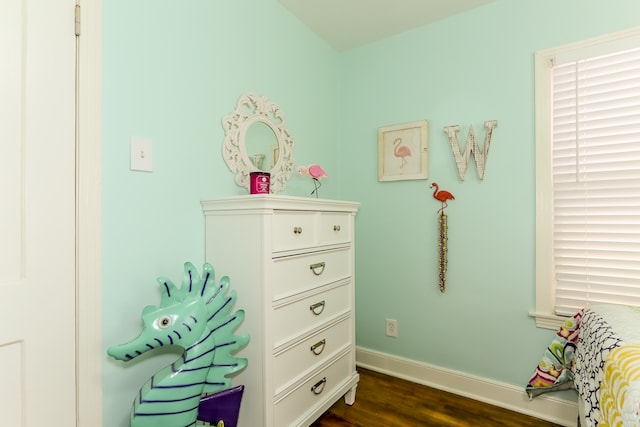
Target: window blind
x=596, y=180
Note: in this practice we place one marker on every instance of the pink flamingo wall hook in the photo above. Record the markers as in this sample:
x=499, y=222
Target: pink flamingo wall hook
x=441, y=195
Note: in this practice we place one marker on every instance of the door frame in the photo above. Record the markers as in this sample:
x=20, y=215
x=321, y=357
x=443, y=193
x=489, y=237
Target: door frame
x=89, y=356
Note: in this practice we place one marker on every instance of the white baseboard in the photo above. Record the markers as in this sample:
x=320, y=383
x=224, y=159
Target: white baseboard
x=547, y=407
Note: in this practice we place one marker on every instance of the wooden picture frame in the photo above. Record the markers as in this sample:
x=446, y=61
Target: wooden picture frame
x=403, y=151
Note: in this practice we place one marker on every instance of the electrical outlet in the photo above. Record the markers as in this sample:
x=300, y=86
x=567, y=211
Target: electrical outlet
x=391, y=328
x=141, y=154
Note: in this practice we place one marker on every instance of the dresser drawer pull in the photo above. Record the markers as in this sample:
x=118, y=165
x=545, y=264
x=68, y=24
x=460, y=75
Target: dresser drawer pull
x=318, y=387
x=297, y=230
x=316, y=266
x=336, y=228
x=319, y=344
x=317, y=308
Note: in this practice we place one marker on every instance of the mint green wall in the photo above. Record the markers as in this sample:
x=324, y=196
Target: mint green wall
x=465, y=70
x=172, y=71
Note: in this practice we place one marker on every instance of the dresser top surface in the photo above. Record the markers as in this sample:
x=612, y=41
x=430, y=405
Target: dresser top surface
x=277, y=202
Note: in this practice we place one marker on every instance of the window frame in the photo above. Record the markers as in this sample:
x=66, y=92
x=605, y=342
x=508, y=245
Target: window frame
x=544, y=268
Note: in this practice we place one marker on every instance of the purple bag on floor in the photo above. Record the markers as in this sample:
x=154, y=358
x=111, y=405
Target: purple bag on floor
x=221, y=406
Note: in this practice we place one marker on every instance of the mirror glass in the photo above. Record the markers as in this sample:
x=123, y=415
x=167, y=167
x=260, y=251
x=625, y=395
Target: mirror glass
x=262, y=145
x=257, y=140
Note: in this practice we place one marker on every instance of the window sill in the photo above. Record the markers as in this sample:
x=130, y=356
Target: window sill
x=548, y=320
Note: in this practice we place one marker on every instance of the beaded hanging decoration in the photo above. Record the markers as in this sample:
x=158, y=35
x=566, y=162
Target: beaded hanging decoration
x=442, y=196
x=442, y=250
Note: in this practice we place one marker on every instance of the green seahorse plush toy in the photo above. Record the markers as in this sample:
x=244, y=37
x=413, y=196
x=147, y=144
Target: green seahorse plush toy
x=198, y=317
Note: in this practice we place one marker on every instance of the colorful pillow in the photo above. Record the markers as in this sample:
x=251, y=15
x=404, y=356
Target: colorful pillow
x=555, y=370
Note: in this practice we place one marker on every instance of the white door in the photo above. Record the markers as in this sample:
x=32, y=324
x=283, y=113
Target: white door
x=37, y=213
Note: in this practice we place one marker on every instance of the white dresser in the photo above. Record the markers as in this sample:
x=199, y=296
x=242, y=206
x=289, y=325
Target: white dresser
x=291, y=261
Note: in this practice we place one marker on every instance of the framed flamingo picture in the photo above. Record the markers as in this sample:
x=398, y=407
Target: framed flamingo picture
x=403, y=151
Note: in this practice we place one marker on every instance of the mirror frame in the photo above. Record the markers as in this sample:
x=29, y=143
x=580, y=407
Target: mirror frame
x=249, y=110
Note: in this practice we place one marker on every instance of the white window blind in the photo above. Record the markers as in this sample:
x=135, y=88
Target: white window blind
x=596, y=180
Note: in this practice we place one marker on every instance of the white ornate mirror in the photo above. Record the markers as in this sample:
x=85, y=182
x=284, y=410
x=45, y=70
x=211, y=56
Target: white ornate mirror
x=257, y=140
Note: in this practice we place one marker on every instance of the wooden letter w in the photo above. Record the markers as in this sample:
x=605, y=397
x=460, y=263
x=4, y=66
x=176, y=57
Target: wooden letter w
x=480, y=156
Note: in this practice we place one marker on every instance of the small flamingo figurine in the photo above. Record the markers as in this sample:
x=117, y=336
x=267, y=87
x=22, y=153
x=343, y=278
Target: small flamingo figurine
x=316, y=173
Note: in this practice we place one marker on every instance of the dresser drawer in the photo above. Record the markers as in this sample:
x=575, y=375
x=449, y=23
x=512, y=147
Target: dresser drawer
x=295, y=318
x=334, y=228
x=308, y=354
x=290, y=408
x=295, y=274
x=293, y=230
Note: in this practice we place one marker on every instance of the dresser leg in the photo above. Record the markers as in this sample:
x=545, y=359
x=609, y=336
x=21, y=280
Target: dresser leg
x=350, y=396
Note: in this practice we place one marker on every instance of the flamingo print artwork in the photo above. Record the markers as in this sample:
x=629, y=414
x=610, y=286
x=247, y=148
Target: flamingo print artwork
x=401, y=151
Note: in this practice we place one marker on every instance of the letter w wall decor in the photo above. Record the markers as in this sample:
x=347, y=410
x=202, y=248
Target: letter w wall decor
x=480, y=156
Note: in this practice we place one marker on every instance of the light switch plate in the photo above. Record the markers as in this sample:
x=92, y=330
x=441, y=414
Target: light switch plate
x=141, y=154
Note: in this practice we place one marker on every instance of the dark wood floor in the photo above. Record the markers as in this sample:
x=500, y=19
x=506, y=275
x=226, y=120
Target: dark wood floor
x=384, y=401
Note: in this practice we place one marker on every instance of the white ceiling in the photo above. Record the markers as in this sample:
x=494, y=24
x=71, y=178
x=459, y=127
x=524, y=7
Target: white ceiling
x=346, y=24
